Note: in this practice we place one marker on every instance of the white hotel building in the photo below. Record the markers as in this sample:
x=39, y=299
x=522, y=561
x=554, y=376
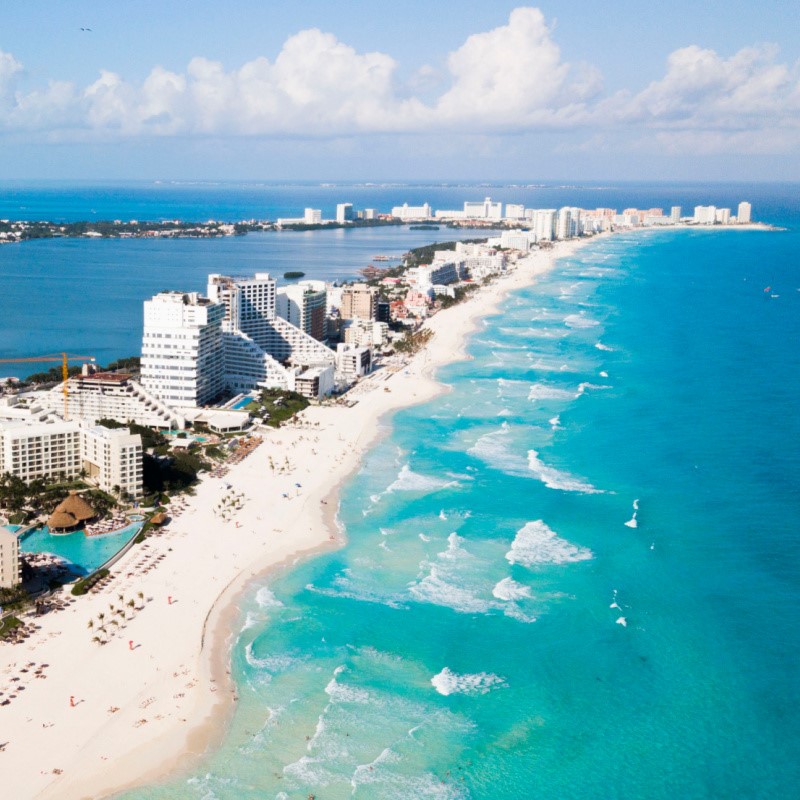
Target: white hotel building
x=58, y=449
x=182, y=348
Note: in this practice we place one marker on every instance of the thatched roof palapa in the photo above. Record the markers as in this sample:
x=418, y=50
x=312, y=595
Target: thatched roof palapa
x=158, y=519
x=74, y=504
x=62, y=520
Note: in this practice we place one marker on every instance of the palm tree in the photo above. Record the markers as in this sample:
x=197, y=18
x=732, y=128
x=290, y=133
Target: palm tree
x=90, y=624
x=121, y=597
x=132, y=605
x=98, y=640
x=101, y=616
x=140, y=595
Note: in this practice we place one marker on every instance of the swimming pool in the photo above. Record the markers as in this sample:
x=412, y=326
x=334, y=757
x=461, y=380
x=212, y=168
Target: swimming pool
x=240, y=404
x=85, y=553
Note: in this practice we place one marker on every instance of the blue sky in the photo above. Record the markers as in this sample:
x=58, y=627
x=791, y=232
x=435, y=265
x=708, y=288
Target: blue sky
x=379, y=90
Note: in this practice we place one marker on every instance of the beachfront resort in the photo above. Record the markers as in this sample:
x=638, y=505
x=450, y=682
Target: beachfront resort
x=250, y=403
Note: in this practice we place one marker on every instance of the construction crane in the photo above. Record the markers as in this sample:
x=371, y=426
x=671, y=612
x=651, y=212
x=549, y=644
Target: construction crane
x=63, y=359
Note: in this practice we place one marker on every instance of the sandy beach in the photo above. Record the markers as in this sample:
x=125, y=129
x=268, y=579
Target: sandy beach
x=89, y=720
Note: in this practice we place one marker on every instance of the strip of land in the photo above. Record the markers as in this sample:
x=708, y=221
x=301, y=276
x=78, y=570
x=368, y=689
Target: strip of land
x=90, y=719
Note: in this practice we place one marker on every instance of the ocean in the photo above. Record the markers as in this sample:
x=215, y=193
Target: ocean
x=575, y=574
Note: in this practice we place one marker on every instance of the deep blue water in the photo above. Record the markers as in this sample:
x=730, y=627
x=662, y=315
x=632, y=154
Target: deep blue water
x=468, y=642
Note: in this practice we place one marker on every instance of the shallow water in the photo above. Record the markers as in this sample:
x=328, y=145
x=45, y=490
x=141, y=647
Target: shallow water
x=496, y=627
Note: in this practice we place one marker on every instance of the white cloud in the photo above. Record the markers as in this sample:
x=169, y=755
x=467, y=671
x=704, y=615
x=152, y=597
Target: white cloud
x=509, y=79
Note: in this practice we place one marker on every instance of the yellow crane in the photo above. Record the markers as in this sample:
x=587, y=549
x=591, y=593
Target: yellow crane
x=63, y=359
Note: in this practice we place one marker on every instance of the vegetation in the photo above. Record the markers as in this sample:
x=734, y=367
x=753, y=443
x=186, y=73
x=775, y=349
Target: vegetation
x=132, y=363
x=275, y=406
x=7, y=625
x=84, y=584
x=292, y=275
x=176, y=472
x=150, y=438
x=414, y=341
x=424, y=255
x=461, y=293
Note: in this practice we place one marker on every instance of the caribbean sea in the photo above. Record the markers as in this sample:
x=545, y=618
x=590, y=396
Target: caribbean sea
x=574, y=575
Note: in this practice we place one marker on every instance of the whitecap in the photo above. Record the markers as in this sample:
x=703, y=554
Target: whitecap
x=536, y=543
x=448, y=682
x=601, y=346
x=555, y=422
x=580, y=321
x=266, y=599
x=508, y=589
x=409, y=481
x=442, y=515
x=603, y=374
x=553, y=478
x=541, y=391
x=622, y=621
x=586, y=385
x=493, y=449
x=633, y=522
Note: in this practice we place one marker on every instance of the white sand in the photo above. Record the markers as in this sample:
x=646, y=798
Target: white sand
x=173, y=691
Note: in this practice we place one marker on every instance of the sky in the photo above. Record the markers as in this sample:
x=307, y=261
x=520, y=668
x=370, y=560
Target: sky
x=445, y=90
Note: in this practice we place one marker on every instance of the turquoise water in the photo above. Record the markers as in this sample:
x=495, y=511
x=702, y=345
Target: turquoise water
x=85, y=553
x=576, y=575
x=243, y=403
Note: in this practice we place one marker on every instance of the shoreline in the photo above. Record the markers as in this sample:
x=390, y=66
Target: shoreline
x=101, y=753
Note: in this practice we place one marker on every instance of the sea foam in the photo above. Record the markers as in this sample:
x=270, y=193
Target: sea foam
x=536, y=543
x=448, y=682
x=410, y=481
x=554, y=478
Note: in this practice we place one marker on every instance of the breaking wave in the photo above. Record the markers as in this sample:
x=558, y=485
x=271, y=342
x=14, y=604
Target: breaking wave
x=448, y=682
x=554, y=478
x=536, y=543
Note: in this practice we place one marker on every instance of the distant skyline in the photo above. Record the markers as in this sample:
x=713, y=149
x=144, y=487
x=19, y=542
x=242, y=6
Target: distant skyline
x=370, y=91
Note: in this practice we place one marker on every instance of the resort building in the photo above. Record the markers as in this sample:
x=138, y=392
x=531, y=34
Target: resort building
x=515, y=211
x=359, y=301
x=485, y=210
x=675, y=214
x=10, y=564
x=315, y=382
x=304, y=305
x=64, y=450
x=352, y=362
x=344, y=213
x=705, y=215
x=365, y=333
x=744, y=213
x=182, y=348
x=40, y=449
x=112, y=459
x=111, y=395
x=259, y=346
x=407, y=212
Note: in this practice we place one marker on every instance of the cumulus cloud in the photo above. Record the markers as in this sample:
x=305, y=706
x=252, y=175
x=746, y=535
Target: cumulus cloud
x=509, y=79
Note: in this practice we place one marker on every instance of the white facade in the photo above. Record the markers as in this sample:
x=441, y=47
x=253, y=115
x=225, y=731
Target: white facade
x=744, y=213
x=544, y=224
x=564, y=223
x=10, y=565
x=705, y=215
x=182, y=356
x=675, y=214
x=63, y=449
x=407, y=212
x=344, y=212
x=112, y=458
x=722, y=216
x=314, y=383
x=485, y=210
x=352, y=362
x=515, y=211
x=312, y=216
x=517, y=240
x=304, y=304
x=40, y=449
x=107, y=395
